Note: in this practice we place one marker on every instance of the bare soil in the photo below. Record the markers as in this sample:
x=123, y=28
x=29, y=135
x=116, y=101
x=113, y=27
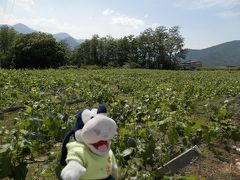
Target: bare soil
x=219, y=161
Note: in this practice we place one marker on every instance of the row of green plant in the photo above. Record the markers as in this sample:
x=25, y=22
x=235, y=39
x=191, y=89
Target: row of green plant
x=155, y=112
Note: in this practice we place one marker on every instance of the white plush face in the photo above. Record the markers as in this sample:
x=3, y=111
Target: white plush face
x=97, y=132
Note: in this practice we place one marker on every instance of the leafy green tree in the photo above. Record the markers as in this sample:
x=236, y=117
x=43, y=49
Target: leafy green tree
x=123, y=50
x=89, y=52
x=160, y=36
x=68, y=52
x=174, y=45
x=81, y=53
x=133, y=55
x=7, y=37
x=161, y=48
x=110, y=51
x=146, y=47
x=94, y=43
x=38, y=50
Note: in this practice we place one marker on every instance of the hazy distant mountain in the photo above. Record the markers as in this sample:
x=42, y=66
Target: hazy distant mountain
x=61, y=36
x=21, y=28
x=80, y=40
x=72, y=42
x=226, y=54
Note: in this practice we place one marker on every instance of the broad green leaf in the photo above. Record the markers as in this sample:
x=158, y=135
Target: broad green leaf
x=28, y=110
x=127, y=152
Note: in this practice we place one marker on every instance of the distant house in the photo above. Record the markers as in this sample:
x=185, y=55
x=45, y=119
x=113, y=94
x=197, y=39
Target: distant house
x=191, y=65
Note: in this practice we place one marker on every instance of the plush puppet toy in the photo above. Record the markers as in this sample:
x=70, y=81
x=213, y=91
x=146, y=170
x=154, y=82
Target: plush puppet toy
x=90, y=156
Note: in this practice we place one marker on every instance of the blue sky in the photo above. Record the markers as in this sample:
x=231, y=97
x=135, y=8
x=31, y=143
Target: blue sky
x=203, y=22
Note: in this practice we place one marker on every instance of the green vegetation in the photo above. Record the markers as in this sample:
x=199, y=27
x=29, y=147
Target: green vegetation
x=161, y=48
x=159, y=113
x=7, y=37
x=35, y=50
x=38, y=50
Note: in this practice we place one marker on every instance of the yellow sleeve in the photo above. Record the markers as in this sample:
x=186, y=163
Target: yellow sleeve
x=75, y=152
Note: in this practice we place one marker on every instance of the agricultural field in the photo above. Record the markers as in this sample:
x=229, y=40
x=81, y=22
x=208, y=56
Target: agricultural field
x=160, y=114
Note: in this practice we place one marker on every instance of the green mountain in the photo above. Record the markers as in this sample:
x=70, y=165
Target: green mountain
x=225, y=54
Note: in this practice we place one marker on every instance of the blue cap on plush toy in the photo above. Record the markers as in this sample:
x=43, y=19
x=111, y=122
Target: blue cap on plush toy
x=79, y=125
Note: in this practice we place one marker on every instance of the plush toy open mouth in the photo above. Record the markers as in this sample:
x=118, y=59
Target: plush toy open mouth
x=101, y=146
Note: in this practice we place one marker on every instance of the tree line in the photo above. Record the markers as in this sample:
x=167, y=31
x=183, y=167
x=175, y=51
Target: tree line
x=160, y=48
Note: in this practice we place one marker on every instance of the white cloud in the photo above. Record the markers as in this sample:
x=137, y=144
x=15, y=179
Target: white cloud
x=123, y=20
x=8, y=18
x=24, y=4
x=108, y=12
x=31, y=2
x=127, y=21
x=202, y=4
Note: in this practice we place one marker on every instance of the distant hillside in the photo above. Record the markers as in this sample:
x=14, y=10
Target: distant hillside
x=21, y=28
x=61, y=36
x=226, y=54
x=72, y=42
x=80, y=41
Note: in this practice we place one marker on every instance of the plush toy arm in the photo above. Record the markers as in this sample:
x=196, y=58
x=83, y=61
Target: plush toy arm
x=115, y=171
x=115, y=168
x=73, y=171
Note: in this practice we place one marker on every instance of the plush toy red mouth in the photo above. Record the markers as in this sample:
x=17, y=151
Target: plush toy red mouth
x=101, y=146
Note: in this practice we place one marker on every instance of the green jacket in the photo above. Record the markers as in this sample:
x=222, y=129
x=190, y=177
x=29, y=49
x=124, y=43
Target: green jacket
x=97, y=167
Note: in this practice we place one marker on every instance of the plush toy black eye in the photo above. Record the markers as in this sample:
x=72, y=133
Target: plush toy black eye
x=92, y=117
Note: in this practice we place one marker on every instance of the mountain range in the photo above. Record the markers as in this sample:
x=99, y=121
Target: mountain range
x=72, y=42
x=225, y=54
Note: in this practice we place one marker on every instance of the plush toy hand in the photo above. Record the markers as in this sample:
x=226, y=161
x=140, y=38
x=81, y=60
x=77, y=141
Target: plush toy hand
x=73, y=171
x=115, y=171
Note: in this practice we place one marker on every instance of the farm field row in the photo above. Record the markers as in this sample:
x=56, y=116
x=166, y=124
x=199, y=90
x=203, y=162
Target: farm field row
x=159, y=113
